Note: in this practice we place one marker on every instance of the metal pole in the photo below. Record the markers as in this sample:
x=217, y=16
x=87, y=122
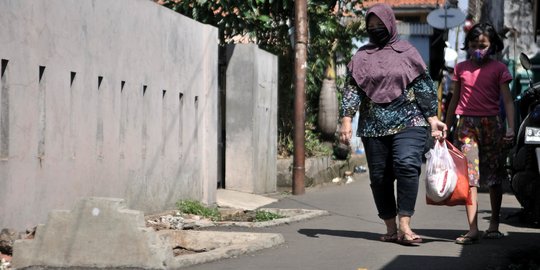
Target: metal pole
x=300, y=65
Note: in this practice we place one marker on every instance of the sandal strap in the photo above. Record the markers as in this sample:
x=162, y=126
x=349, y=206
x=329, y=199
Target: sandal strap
x=410, y=236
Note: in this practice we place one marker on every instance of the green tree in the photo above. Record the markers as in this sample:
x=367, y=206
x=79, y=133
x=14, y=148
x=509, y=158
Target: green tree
x=269, y=23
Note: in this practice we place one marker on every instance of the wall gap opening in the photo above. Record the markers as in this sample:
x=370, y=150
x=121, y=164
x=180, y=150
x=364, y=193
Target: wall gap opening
x=4, y=112
x=4, y=66
x=72, y=78
x=42, y=123
x=163, y=121
x=99, y=80
x=72, y=114
x=41, y=71
x=180, y=122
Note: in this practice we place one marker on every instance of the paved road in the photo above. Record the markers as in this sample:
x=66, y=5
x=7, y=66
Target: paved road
x=348, y=238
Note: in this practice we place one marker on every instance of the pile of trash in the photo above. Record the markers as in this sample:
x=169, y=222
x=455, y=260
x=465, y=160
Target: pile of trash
x=349, y=176
x=7, y=238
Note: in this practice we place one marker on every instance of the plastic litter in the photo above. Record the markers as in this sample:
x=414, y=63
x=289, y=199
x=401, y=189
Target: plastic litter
x=360, y=169
x=348, y=177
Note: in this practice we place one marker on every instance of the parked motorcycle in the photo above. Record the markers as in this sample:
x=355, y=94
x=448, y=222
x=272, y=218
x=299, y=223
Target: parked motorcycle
x=524, y=157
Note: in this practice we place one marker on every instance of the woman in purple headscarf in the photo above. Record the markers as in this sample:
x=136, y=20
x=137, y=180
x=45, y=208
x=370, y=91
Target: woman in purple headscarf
x=399, y=104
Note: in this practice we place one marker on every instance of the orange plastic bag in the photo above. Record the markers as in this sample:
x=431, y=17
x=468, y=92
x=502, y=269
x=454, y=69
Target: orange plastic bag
x=461, y=195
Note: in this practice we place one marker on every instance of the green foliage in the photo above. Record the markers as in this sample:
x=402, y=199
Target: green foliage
x=264, y=20
x=313, y=145
x=269, y=23
x=261, y=215
x=196, y=208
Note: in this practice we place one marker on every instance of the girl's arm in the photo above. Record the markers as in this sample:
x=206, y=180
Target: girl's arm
x=451, y=111
x=509, y=108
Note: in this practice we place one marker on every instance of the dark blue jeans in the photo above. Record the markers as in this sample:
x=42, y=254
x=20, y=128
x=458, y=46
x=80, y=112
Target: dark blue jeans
x=395, y=157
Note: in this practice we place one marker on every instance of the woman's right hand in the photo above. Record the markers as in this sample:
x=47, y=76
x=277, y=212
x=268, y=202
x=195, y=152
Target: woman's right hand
x=345, y=131
x=438, y=128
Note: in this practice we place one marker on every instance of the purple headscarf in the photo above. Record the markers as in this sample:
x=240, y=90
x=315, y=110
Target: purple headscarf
x=384, y=72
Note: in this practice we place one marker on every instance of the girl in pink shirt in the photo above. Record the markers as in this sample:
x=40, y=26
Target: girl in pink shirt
x=478, y=85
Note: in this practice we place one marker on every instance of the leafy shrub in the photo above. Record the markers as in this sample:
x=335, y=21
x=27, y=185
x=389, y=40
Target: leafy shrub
x=196, y=208
x=261, y=215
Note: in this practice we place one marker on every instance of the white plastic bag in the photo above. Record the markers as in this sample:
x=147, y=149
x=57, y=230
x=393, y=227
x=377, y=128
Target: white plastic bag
x=441, y=176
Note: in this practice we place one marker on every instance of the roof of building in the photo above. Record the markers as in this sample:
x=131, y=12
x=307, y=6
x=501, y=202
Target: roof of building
x=404, y=3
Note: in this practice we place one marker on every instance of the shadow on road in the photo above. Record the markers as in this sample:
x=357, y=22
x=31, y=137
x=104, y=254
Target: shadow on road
x=514, y=251
x=517, y=250
x=341, y=233
x=515, y=217
x=427, y=235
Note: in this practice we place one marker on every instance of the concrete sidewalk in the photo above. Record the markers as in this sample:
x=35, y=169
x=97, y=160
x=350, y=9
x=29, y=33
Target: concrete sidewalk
x=348, y=237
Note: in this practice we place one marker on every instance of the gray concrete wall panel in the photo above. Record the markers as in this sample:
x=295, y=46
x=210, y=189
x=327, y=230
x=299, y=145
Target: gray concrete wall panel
x=99, y=233
x=104, y=98
x=251, y=120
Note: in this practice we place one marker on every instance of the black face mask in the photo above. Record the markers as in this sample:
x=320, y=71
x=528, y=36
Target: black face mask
x=379, y=35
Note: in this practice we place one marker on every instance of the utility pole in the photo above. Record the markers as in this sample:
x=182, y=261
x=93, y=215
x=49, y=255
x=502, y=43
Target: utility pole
x=300, y=65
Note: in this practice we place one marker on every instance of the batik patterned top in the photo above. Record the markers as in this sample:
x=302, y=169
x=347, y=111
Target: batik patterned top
x=417, y=102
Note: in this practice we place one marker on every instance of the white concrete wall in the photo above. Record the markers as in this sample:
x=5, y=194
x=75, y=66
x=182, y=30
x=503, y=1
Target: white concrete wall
x=73, y=117
x=251, y=120
x=518, y=15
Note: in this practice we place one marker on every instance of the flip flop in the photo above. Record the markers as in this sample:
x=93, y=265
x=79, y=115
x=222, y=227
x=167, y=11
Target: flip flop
x=409, y=239
x=389, y=237
x=467, y=240
x=493, y=234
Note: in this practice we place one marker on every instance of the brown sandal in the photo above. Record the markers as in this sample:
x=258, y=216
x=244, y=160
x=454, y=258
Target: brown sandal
x=409, y=238
x=493, y=234
x=467, y=240
x=389, y=237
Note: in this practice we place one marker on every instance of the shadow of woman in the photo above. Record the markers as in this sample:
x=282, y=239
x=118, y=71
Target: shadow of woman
x=340, y=233
x=428, y=235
